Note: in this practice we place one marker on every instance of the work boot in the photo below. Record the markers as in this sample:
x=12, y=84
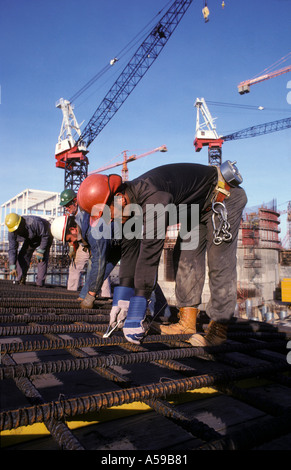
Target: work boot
x=88, y=302
x=215, y=335
x=22, y=280
x=186, y=324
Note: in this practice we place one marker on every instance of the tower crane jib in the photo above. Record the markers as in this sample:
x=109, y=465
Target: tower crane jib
x=209, y=137
x=126, y=160
x=244, y=87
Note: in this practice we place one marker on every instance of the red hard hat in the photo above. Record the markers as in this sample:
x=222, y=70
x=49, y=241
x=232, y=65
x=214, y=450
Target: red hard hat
x=97, y=190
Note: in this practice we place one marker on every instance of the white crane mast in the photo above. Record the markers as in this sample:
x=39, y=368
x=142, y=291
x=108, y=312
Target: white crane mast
x=206, y=129
x=70, y=129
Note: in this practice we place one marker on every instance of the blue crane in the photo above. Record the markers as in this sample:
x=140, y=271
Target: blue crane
x=72, y=154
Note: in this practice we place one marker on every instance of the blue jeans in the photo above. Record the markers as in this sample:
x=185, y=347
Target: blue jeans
x=24, y=259
x=105, y=254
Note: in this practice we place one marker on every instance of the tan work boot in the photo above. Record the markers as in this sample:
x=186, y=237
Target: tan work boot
x=186, y=325
x=215, y=335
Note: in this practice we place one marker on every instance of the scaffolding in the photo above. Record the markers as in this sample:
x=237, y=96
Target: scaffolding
x=259, y=248
x=260, y=227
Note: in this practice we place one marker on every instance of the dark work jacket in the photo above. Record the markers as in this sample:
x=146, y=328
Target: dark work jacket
x=35, y=231
x=181, y=183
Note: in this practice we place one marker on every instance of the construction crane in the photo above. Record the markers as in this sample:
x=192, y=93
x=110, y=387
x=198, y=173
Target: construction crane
x=206, y=135
x=71, y=154
x=126, y=159
x=244, y=87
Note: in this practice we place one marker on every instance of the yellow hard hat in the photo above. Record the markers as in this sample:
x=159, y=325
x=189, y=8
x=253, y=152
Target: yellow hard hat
x=12, y=221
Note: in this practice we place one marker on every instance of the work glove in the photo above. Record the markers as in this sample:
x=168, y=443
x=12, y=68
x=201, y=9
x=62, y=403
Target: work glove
x=134, y=327
x=120, y=305
x=88, y=301
x=12, y=269
x=39, y=255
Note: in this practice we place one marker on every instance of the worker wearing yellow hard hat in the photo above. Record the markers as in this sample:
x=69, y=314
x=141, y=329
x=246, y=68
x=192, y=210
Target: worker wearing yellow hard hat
x=12, y=221
x=35, y=235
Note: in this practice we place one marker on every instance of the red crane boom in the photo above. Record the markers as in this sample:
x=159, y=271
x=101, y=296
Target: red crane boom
x=127, y=159
x=244, y=87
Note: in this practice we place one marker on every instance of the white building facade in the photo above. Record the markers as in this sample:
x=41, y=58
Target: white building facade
x=45, y=204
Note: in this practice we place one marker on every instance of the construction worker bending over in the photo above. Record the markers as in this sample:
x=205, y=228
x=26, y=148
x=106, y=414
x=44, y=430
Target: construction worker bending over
x=103, y=252
x=35, y=234
x=209, y=208
x=78, y=254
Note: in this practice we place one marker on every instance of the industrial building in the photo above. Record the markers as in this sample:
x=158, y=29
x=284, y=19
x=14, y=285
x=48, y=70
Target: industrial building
x=45, y=204
x=40, y=203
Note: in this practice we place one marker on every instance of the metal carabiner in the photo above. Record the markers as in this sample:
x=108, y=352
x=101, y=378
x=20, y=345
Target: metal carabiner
x=219, y=209
x=224, y=226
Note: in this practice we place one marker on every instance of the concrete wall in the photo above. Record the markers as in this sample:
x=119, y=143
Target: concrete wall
x=258, y=271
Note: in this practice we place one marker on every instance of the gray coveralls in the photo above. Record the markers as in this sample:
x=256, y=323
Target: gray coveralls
x=190, y=265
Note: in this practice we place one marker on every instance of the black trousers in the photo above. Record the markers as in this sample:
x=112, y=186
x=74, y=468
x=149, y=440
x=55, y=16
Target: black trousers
x=222, y=260
x=24, y=259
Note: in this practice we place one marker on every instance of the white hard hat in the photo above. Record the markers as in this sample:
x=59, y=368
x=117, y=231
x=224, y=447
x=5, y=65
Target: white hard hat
x=59, y=226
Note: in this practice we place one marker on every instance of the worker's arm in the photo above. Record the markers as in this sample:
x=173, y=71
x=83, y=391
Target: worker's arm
x=99, y=239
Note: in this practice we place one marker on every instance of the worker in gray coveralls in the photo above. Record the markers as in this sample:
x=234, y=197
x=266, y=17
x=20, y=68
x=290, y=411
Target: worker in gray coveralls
x=217, y=201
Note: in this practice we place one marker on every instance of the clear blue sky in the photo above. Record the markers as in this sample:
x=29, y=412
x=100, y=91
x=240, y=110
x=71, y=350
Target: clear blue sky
x=49, y=50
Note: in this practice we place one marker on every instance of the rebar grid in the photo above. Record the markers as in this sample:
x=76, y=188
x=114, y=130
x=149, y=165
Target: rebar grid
x=77, y=364
x=58, y=429
x=248, y=339
x=67, y=408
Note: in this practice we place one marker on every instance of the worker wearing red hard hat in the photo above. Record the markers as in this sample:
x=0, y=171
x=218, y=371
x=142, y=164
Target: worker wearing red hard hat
x=96, y=191
x=215, y=196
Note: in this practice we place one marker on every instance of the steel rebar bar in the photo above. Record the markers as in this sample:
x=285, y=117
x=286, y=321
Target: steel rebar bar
x=64, y=409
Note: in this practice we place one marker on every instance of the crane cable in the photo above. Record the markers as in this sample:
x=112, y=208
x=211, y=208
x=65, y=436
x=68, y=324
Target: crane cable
x=247, y=107
x=120, y=55
x=275, y=64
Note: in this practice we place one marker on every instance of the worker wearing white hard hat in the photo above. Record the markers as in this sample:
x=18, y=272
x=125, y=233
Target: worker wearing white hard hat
x=103, y=254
